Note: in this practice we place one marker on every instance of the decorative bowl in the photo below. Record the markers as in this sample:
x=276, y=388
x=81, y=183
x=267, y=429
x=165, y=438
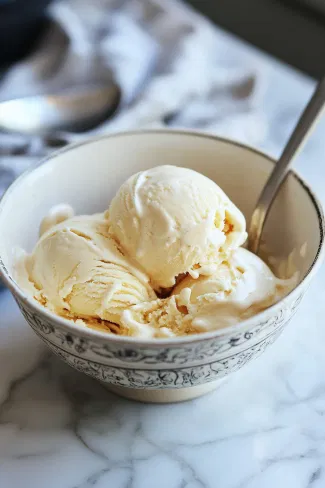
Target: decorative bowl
x=86, y=176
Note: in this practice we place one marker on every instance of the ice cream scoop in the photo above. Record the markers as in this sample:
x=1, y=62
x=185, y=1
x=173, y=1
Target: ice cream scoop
x=174, y=220
x=244, y=279
x=243, y=286
x=78, y=270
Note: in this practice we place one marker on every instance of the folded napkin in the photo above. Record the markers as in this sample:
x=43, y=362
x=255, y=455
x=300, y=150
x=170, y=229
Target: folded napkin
x=174, y=67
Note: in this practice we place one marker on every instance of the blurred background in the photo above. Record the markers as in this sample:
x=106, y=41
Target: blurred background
x=291, y=30
x=70, y=69
x=288, y=29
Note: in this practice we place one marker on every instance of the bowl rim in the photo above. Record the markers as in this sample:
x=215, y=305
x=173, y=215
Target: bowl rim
x=90, y=333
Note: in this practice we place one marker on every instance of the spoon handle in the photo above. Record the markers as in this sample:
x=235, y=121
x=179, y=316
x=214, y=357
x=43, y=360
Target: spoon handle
x=297, y=139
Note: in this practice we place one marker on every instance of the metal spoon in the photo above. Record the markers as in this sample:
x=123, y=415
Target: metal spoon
x=79, y=109
x=297, y=139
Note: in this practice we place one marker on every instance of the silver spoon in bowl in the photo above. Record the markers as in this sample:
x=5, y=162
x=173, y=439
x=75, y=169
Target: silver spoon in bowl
x=296, y=141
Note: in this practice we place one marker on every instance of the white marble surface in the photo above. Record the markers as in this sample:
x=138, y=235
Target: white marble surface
x=263, y=428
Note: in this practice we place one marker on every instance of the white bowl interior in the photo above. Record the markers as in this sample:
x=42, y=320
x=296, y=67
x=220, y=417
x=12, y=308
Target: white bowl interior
x=88, y=175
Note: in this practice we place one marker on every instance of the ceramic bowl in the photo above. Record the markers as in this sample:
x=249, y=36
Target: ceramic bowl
x=87, y=176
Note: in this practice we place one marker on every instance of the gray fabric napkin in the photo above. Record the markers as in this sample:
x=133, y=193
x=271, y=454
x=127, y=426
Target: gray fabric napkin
x=174, y=67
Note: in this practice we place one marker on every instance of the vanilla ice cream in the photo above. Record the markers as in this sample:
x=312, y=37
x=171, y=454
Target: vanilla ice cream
x=168, y=229
x=174, y=220
x=78, y=270
x=162, y=317
x=242, y=286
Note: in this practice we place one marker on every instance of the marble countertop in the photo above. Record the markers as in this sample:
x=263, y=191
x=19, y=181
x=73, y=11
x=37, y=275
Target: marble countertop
x=264, y=427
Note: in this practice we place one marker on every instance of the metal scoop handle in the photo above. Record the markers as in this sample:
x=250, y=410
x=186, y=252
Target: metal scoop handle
x=297, y=139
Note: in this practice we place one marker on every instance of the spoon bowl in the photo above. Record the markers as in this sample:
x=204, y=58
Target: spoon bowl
x=77, y=110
